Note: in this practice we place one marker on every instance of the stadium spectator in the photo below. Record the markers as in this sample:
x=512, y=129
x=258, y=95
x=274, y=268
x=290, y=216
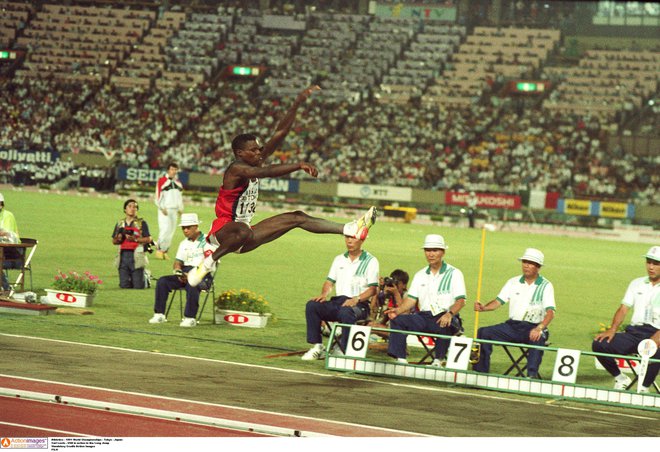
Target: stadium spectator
x=531, y=300
x=132, y=236
x=643, y=296
x=169, y=200
x=439, y=292
x=8, y=234
x=354, y=275
x=189, y=254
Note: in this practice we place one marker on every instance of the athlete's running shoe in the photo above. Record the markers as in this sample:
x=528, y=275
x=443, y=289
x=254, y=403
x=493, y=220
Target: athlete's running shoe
x=197, y=274
x=360, y=228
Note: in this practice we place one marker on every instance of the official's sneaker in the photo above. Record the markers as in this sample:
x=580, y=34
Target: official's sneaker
x=437, y=363
x=313, y=353
x=402, y=361
x=158, y=318
x=197, y=274
x=159, y=255
x=336, y=351
x=623, y=383
x=644, y=390
x=188, y=322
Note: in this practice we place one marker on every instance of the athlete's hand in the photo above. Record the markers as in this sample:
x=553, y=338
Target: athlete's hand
x=478, y=307
x=309, y=169
x=319, y=299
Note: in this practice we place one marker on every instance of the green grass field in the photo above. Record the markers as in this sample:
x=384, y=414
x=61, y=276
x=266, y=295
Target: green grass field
x=590, y=277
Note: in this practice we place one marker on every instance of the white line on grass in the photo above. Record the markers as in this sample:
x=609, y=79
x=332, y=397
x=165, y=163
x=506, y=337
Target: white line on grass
x=349, y=377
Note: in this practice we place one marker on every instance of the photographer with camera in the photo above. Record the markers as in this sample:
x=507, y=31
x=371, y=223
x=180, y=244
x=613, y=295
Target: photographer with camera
x=439, y=292
x=189, y=254
x=131, y=234
x=391, y=291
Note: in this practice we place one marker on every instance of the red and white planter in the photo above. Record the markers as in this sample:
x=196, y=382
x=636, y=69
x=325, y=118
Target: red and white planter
x=240, y=318
x=73, y=299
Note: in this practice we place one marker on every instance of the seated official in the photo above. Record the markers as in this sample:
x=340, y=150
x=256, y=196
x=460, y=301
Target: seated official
x=439, y=292
x=355, y=276
x=531, y=300
x=8, y=234
x=188, y=256
x=643, y=297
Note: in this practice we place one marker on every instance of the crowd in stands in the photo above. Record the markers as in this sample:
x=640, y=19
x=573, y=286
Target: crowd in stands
x=366, y=132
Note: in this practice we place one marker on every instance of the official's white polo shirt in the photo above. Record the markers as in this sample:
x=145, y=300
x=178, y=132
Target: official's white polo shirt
x=644, y=298
x=528, y=302
x=437, y=293
x=351, y=278
x=191, y=252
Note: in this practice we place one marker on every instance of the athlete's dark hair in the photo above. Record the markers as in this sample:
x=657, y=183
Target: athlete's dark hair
x=239, y=141
x=172, y=165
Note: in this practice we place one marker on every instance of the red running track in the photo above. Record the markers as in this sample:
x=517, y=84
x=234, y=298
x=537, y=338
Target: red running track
x=41, y=408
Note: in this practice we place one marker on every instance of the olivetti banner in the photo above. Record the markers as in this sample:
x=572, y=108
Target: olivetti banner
x=12, y=155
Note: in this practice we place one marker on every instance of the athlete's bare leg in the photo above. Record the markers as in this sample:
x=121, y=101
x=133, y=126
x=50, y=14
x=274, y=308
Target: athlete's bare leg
x=275, y=227
x=240, y=237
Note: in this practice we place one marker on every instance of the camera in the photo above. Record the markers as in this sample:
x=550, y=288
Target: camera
x=389, y=282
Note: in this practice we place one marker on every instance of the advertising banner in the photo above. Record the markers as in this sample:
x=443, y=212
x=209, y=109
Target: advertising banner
x=280, y=185
x=146, y=175
x=12, y=155
x=576, y=207
x=486, y=200
x=422, y=11
x=614, y=210
x=374, y=192
x=605, y=209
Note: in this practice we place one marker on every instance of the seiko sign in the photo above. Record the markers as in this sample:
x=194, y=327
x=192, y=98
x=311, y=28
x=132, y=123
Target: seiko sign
x=146, y=175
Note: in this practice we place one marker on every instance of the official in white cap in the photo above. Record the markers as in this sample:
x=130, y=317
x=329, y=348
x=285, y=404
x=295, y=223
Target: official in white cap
x=439, y=292
x=189, y=254
x=643, y=296
x=8, y=234
x=531, y=300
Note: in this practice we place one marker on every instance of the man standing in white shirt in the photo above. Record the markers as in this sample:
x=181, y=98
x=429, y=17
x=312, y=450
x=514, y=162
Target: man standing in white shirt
x=643, y=296
x=169, y=200
x=439, y=292
x=531, y=300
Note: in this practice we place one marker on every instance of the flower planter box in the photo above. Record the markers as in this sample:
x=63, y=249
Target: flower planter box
x=239, y=318
x=74, y=299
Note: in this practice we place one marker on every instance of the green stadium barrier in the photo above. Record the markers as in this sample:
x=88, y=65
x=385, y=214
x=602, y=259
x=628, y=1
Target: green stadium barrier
x=383, y=365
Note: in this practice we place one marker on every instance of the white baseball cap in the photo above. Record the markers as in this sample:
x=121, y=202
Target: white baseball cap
x=189, y=219
x=434, y=241
x=653, y=253
x=532, y=255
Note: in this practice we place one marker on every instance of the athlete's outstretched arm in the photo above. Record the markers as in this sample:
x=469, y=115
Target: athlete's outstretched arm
x=286, y=122
x=244, y=171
